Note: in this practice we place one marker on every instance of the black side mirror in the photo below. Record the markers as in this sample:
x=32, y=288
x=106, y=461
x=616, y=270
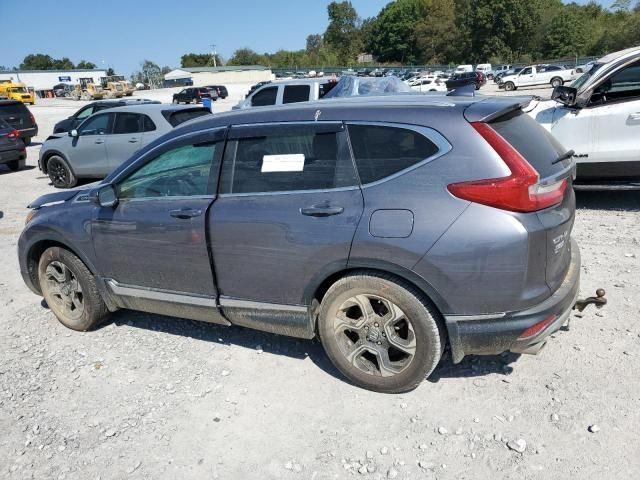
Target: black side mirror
x=104, y=196
x=565, y=95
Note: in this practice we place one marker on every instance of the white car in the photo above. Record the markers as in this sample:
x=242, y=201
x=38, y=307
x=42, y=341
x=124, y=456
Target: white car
x=428, y=83
x=598, y=118
x=464, y=68
x=483, y=68
x=553, y=75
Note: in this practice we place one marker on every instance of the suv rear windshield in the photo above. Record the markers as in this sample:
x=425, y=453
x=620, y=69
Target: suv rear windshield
x=533, y=142
x=12, y=108
x=176, y=117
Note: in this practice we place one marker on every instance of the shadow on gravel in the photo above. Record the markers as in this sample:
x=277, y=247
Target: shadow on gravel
x=239, y=336
x=4, y=169
x=609, y=200
x=474, y=366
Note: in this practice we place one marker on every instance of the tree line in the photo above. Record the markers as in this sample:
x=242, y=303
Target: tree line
x=457, y=31
x=41, y=61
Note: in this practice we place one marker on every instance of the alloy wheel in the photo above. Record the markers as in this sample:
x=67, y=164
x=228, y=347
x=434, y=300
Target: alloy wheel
x=375, y=335
x=64, y=289
x=58, y=174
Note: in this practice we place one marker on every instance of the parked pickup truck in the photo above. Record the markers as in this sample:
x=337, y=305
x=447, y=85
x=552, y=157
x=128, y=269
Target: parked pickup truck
x=553, y=75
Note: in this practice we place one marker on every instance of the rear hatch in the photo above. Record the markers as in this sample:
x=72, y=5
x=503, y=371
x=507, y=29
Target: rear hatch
x=541, y=151
x=16, y=114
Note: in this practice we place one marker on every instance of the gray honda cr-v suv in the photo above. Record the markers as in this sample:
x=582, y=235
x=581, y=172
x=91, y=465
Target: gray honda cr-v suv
x=390, y=227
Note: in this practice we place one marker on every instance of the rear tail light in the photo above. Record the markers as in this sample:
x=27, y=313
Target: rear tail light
x=519, y=192
x=536, y=328
x=14, y=134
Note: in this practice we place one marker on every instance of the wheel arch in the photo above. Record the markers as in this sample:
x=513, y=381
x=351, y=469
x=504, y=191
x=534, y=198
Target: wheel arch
x=47, y=156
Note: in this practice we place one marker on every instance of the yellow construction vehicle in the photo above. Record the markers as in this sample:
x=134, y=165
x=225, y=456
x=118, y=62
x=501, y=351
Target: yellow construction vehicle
x=87, y=90
x=16, y=91
x=128, y=87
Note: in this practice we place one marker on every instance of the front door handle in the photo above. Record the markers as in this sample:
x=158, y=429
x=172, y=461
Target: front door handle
x=634, y=116
x=321, y=211
x=99, y=142
x=185, y=213
x=133, y=140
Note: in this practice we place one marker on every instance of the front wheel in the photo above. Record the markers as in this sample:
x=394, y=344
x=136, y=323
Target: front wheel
x=60, y=174
x=556, y=82
x=509, y=86
x=70, y=290
x=380, y=332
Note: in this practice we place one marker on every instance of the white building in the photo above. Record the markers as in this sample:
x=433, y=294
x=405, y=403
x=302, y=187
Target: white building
x=201, y=76
x=43, y=80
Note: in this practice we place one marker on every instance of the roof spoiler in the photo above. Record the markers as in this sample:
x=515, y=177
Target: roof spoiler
x=468, y=90
x=494, y=107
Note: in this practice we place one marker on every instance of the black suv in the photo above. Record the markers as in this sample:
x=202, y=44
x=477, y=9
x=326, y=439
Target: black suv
x=12, y=150
x=194, y=95
x=18, y=116
x=77, y=118
x=221, y=90
x=465, y=78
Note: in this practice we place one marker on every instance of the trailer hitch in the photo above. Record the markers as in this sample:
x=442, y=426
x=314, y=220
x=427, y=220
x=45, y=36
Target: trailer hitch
x=599, y=301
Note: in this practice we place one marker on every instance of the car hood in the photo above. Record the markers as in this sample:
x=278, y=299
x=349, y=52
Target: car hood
x=56, y=198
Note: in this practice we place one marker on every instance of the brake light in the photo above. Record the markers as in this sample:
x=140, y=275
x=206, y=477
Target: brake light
x=14, y=134
x=536, y=328
x=520, y=191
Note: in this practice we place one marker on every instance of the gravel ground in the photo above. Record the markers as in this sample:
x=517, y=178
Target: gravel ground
x=149, y=397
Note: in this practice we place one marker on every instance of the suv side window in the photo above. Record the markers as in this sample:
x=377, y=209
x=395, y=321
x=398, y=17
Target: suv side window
x=180, y=172
x=266, y=96
x=621, y=85
x=126, y=123
x=82, y=114
x=97, y=125
x=286, y=159
x=296, y=93
x=381, y=151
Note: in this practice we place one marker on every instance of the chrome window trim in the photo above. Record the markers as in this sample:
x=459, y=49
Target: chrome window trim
x=431, y=134
x=289, y=192
x=181, y=197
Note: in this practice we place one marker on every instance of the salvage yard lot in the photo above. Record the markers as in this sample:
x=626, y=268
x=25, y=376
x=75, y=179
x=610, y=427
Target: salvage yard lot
x=151, y=397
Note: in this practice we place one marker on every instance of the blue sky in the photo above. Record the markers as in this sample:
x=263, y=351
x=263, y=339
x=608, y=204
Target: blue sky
x=123, y=33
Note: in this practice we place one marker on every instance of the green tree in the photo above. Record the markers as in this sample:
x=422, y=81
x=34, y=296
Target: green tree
x=342, y=34
x=199, y=60
x=314, y=42
x=246, y=56
x=83, y=64
x=110, y=72
x=566, y=36
x=437, y=38
x=37, y=61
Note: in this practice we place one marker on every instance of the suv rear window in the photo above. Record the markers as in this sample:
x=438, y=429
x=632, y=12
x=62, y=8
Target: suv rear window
x=381, y=151
x=531, y=140
x=13, y=109
x=176, y=117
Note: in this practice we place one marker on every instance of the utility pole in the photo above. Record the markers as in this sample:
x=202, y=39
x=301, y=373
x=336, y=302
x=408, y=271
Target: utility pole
x=213, y=48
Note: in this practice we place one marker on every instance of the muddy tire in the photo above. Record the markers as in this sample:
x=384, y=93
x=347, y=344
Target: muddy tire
x=70, y=290
x=380, y=332
x=60, y=173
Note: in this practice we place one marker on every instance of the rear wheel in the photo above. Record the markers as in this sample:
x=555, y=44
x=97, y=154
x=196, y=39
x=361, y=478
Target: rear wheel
x=70, y=290
x=16, y=165
x=59, y=173
x=380, y=332
x=556, y=82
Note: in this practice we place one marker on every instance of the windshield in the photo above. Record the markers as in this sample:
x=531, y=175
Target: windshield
x=19, y=89
x=580, y=81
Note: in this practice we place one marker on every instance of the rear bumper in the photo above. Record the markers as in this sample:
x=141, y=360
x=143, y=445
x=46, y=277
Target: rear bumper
x=28, y=132
x=496, y=333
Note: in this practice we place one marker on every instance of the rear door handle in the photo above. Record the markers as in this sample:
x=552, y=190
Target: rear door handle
x=133, y=140
x=634, y=116
x=99, y=142
x=185, y=213
x=321, y=211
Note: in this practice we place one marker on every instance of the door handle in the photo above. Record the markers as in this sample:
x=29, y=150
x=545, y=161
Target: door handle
x=133, y=140
x=185, y=213
x=634, y=116
x=321, y=211
x=99, y=142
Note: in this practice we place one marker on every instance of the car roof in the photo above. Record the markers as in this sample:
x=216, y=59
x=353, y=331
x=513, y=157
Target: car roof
x=616, y=55
x=152, y=107
x=124, y=101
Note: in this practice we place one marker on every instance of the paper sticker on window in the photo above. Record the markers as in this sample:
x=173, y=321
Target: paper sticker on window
x=283, y=163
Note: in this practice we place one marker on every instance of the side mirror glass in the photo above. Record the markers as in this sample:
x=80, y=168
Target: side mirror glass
x=73, y=133
x=565, y=95
x=104, y=196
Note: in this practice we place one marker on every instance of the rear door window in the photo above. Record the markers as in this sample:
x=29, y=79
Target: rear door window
x=381, y=151
x=176, y=117
x=126, y=123
x=266, y=96
x=287, y=158
x=147, y=124
x=296, y=93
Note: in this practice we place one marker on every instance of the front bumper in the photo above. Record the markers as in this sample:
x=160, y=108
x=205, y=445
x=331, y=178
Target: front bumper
x=496, y=333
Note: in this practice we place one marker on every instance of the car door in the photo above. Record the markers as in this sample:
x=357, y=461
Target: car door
x=87, y=154
x=125, y=138
x=526, y=77
x=154, y=241
x=615, y=109
x=287, y=210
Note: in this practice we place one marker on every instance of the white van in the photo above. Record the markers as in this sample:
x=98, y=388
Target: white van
x=483, y=67
x=464, y=68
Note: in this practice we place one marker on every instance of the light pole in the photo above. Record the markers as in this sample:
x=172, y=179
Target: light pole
x=213, y=48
